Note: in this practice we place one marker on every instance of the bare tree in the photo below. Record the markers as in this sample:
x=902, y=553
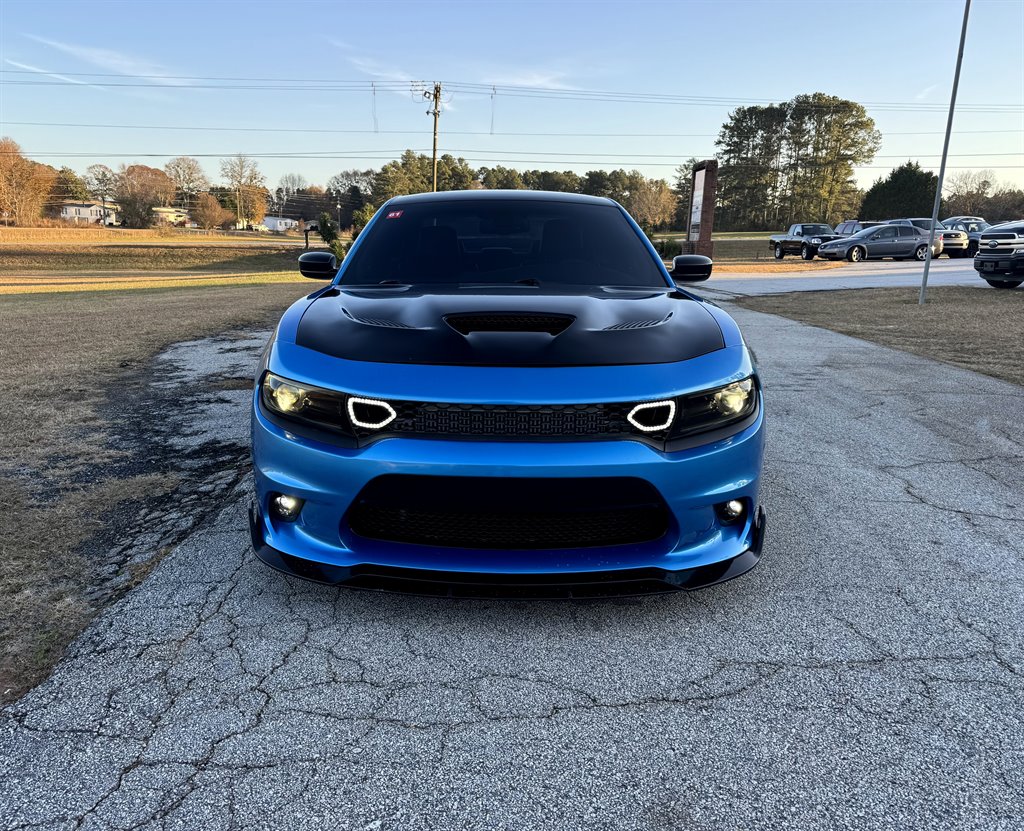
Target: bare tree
x=188, y=177
x=101, y=182
x=289, y=185
x=246, y=182
x=968, y=191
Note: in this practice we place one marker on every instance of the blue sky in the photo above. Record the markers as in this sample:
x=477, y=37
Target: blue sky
x=739, y=51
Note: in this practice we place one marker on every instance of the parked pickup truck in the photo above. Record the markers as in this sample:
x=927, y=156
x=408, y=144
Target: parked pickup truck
x=803, y=239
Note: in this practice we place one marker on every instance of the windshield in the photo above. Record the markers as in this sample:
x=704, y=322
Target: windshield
x=816, y=230
x=503, y=242
x=926, y=224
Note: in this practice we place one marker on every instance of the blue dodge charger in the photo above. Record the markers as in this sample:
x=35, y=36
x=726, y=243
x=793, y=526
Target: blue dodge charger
x=505, y=392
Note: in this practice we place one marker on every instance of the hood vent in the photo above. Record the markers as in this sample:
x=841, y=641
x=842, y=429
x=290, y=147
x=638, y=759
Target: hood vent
x=637, y=324
x=468, y=322
x=376, y=321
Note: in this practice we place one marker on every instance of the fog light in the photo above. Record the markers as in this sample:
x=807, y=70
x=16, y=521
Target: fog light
x=731, y=511
x=286, y=507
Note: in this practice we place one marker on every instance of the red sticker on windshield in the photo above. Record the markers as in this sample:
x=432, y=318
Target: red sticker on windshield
x=394, y=215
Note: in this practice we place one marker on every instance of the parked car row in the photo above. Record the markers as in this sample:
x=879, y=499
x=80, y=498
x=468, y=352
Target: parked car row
x=858, y=239
x=998, y=250
x=877, y=241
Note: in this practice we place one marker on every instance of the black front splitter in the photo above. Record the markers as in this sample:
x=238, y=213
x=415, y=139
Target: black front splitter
x=587, y=584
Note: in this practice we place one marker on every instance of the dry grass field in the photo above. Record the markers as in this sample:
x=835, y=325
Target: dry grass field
x=975, y=328
x=97, y=235
x=63, y=355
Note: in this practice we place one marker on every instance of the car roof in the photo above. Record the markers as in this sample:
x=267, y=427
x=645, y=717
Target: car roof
x=498, y=195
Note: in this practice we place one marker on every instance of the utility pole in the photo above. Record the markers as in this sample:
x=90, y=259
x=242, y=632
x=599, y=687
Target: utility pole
x=435, y=98
x=945, y=152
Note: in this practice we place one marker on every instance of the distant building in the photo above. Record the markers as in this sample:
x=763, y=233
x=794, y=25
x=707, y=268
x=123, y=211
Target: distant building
x=171, y=216
x=280, y=224
x=89, y=213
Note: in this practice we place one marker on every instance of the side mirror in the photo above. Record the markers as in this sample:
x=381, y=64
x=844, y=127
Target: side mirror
x=690, y=268
x=798, y=233
x=318, y=265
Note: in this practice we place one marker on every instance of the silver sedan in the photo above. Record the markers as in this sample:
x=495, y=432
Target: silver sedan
x=901, y=242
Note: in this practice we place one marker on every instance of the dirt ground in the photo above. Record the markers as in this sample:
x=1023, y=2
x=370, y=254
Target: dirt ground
x=63, y=471
x=975, y=328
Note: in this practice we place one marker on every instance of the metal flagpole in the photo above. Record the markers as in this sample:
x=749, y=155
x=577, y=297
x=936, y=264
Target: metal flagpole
x=945, y=151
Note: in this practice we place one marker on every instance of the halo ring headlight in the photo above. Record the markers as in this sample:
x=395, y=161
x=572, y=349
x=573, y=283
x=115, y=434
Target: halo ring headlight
x=387, y=416
x=661, y=424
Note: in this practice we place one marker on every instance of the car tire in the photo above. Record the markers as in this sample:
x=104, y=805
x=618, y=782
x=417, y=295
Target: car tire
x=1004, y=284
x=779, y=253
x=921, y=254
x=856, y=254
x=806, y=253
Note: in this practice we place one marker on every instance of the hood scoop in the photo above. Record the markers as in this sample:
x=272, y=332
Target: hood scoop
x=466, y=323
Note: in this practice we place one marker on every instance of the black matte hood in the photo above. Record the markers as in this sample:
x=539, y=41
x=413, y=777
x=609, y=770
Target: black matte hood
x=509, y=327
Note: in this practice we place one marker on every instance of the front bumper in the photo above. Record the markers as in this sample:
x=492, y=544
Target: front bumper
x=696, y=550
x=575, y=585
x=994, y=266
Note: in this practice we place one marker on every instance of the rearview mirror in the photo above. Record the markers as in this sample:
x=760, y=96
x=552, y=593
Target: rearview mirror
x=690, y=268
x=318, y=265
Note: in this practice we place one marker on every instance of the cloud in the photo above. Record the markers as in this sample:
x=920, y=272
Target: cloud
x=545, y=79
x=117, y=62
x=48, y=74
x=926, y=92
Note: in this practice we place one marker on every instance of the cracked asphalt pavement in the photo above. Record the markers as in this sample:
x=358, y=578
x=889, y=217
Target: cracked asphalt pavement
x=868, y=674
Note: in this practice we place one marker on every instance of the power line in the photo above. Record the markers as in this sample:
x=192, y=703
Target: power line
x=640, y=158
x=486, y=159
x=603, y=96
x=234, y=129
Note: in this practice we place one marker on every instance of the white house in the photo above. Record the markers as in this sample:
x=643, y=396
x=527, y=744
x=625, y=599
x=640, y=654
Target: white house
x=280, y=224
x=170, y=216
x=88, y=212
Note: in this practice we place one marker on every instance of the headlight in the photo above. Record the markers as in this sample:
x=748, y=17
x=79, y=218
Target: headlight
x=715, y=408
x=301, y=402
x=815, y=241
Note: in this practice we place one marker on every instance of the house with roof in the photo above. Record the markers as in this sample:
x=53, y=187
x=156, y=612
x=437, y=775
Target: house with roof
x=89, y=213
x=280, y=224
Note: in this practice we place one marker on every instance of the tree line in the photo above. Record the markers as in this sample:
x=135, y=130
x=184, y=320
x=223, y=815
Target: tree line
x=778, y=164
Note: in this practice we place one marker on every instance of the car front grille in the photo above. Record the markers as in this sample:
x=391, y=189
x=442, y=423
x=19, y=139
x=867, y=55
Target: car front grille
x=511, y=422
x=508, y=513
